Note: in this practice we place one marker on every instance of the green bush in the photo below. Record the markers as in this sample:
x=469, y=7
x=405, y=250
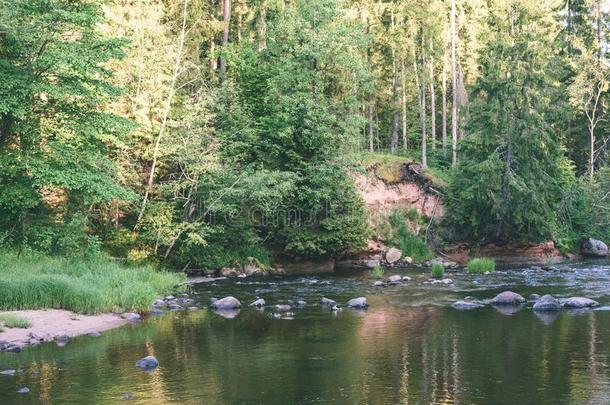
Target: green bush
x=377, y=272
x=35, y=281
x=14, y=321
x=438, y=270
x=402, y=237
x=481, y=265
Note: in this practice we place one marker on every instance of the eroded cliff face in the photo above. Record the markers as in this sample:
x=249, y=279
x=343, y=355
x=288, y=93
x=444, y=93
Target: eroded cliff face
x=408, y=189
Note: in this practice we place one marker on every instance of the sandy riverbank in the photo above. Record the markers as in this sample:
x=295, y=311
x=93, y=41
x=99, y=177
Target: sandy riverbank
x=56, y=325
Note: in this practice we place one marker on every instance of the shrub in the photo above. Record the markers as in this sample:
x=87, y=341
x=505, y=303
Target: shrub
x=481, y=265
x=377, y=272
x=438, y=270
x=14, y=321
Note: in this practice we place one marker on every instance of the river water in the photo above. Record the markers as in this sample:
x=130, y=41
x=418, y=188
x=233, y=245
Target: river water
x=410, y=346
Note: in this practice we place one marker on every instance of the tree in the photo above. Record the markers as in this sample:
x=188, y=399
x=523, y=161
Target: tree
x=508, y=183
x=56, y=135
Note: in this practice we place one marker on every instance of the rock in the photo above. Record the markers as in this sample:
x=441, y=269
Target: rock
x=406, y=278
x=301, y=303
x=335, y=308
x=10, y=347
x=128, y=396
x=603, y=308
x=148, y=363
x=229, y=272
x=395, y=279
x=157, y=311
x=9, y=372
x=95, y=334
x=253, y=268
x=393, y=255
x=259, y=303
x=371, y=263
x=23, y=390
x=378, y=284
x=580, y=302
x=226, y=303
x=508, y=298
x=62, y=338
x=282, y=308
x=131, y=317
x=185, y=301
x=467, y=305
x=447, y=281
x=359, y=302
x=169, y=298
x=193, y=308
x=159, y=303
x=594, y=247
x=407, y=260
x=175, y=307
x=328, y=302
x=547, y=303
x=533, y=297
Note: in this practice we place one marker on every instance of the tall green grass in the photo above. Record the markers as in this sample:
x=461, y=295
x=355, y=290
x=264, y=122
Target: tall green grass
x=481, y=265
x=377, y=272
x=438, y=270
x=14, y=321
x=88, y=286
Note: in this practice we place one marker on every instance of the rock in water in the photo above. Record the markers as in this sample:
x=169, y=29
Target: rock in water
x=359, y=302
x=148, y=363
x=131, y=317
x=282, y=308
x=9, y=372
x=580, y=302
x=547, y=303
x=226, y=303
x=259, y=303
x=466, y=305
x=508, y=298
x=378, y=284
x=23, y=390
x=533, y=297
x=594, y=247
x=393, y=255
x=395, y=279
x=327, y=301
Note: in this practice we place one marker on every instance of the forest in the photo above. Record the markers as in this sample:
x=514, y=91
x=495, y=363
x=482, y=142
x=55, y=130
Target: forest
x=200, y=133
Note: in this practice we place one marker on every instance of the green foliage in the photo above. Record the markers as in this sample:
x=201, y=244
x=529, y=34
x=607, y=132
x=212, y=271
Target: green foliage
x=481, y=265
x=377, y=272
x=438, y=270
x=400, y=235
x=14, y=321
x=509, y=183
x=34, y=281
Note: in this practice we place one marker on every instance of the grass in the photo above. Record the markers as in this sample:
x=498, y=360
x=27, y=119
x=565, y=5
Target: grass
x=438, y=270
x=377, y=272
x=36, y=281
x=14, y=321
x=402, y=237
x=481, y=265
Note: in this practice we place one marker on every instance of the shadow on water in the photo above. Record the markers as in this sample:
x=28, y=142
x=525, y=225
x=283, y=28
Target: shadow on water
x=408, y=347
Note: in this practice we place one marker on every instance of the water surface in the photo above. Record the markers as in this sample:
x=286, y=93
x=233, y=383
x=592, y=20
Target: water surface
x=410, y=346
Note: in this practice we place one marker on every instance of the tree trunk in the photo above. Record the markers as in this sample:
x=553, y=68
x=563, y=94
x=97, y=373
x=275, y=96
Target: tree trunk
x=404, y=104
x=226, y=18
x=371, y=123
x=394, y=139
x=591, y=150
x=166, y=111
x=432, y=97
x=444, y=105
x=421, y=85
x=262, y=28
x=454, y=112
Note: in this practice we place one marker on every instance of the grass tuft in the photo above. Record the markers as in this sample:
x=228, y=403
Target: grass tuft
x=438, y=270
x=14, y=321
x=481, y=265
x=36, y=281
x=377, y=272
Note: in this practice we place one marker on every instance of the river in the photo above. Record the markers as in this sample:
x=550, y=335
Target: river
x=410, y=346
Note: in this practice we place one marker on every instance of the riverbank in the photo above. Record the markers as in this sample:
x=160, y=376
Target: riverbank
x=59, y=325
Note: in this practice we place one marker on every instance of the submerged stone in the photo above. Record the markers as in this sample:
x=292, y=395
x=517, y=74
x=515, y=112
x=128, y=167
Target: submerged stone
x=359, y=302
x=508, y=298
x=131, y=317
x=259, y=303
x=226, y=303
x=467, y=305
x=547, y=303
x=328, y=302
x=148, y=363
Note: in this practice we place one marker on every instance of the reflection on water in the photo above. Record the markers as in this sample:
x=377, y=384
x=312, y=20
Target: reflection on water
x=408, y=348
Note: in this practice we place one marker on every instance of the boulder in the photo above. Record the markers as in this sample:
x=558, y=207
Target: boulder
x=229, y=272
x=467, y=304
x=359, y=302
x=580, y=302
x=378, y=284
x=131, y=316
x=226, y=303
x=253, y=268
x=301, y=303
x=594, y=247
x=407, y=260
x=547, y=303
x=406, y=278
x=148, y=363
x=259, y=303
x=395, y=279
x=62, y=338
x=23, y=390
x=328, y=302
x=393, y=255
x=282, y=308
x=507, y=298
